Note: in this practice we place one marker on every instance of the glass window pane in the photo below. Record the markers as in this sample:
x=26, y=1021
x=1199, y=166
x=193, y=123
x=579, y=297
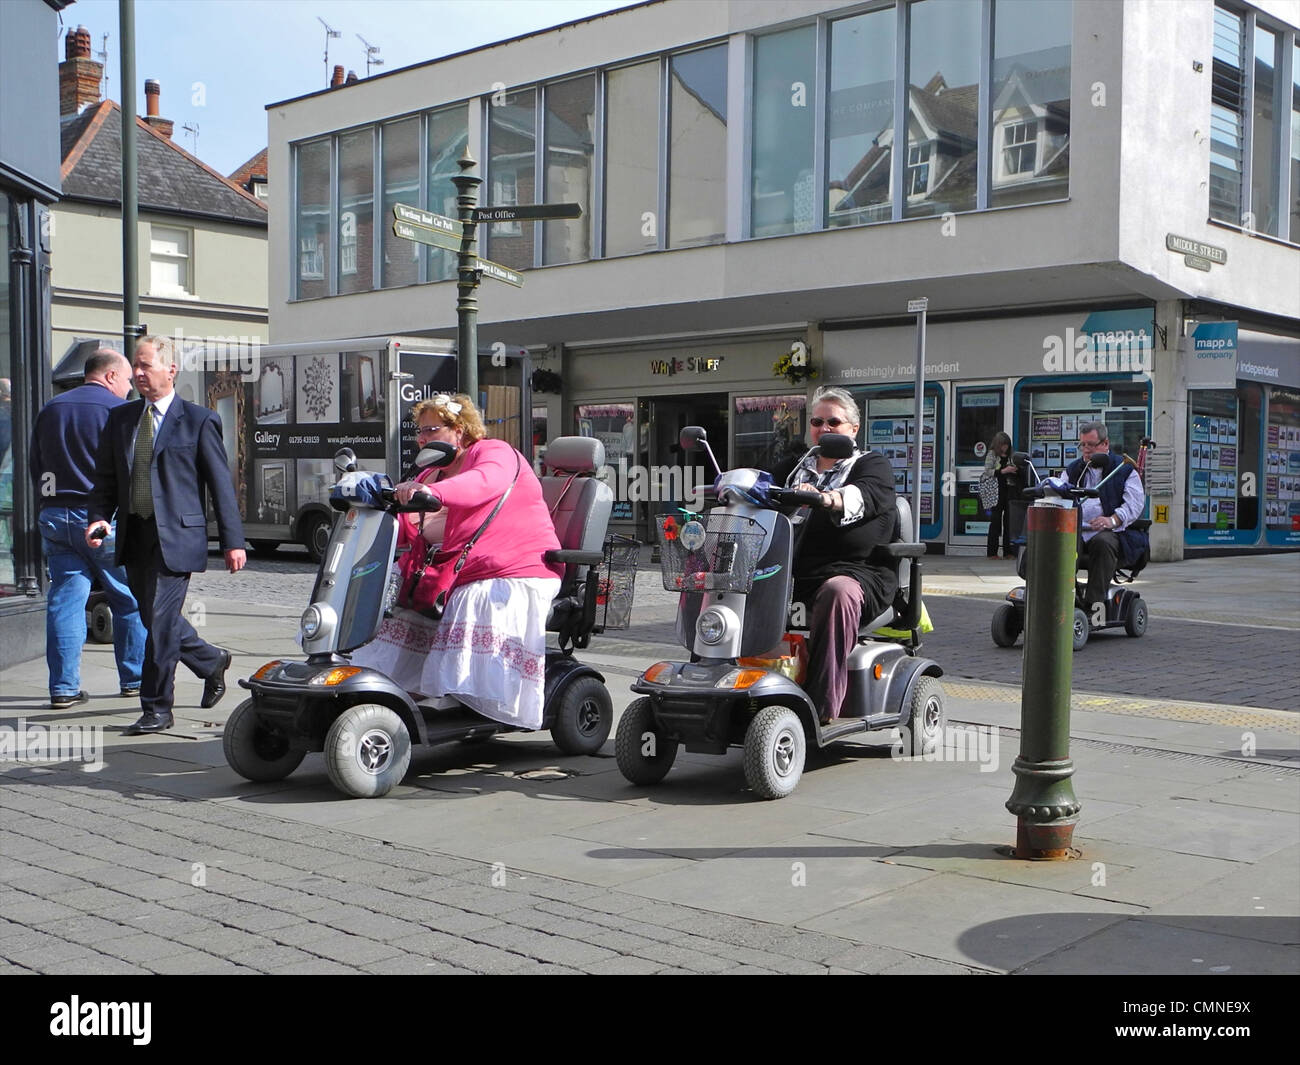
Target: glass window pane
x=7, y=479
x=632, y=159
x=512, y=142
x=1295, y=146
x=781, y=193
x=401, y=149
x=860, y=119
x=356, y=210
x=769, y=430
x=313, y=218
x=1226, y=124
x=1265, y=174
x=448, y=134
x=1031, y=101
x=943, y=119
x=570, y=144
x=697, y=148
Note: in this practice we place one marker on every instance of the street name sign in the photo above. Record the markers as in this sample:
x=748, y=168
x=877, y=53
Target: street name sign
x=435, y=238
x=527, y=213
x=1195, y=247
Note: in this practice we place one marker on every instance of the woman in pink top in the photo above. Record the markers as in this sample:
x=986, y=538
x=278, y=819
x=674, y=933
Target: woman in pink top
x=489, y=648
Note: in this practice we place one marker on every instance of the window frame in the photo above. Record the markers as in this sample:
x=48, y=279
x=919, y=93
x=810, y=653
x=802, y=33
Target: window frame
x=185, y=259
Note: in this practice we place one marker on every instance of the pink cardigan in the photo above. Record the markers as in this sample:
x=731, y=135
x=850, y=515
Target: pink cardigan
x=513, y=544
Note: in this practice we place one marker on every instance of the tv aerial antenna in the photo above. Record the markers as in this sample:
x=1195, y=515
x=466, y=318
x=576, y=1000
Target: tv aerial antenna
x=329, y=32
x=193, y=131
x=372, y=55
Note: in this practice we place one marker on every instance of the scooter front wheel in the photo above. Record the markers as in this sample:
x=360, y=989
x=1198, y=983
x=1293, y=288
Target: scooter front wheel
x=644, y=755
x=255, y=750
x=775, y=746
x=367, y=751
x=1005, y=625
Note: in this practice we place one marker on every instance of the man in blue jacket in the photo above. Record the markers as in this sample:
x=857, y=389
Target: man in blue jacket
x=65, y=441
x=159, y=460
x=1104, y=522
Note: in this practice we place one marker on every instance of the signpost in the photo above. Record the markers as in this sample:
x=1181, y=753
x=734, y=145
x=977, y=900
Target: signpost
x=461, y=236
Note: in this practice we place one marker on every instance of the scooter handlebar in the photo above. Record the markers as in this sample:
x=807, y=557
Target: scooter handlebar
x=794, y=497
x=420, y=504
x=1038, y=492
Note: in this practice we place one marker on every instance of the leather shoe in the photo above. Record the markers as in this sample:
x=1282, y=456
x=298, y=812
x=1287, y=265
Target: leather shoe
x=150, y=723
x=215, y=686
x=129, y=691
x=62, y=702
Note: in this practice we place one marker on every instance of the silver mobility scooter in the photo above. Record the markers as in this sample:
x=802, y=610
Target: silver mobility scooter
x=1124, y=609
x=732, y=566
x=360, y=719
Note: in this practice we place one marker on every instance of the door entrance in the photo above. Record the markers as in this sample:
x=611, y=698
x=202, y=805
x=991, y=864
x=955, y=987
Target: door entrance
x=673, y=473
x=980, y=413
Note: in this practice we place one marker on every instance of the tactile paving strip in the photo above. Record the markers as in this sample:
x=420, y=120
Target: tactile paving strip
x=1202, y=713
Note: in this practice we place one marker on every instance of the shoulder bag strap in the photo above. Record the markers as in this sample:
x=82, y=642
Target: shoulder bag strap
x=488, y=520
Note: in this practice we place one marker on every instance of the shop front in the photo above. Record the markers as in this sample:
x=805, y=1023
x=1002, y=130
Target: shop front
x=1036, y=378
x=1243, y=438
x=637, y=399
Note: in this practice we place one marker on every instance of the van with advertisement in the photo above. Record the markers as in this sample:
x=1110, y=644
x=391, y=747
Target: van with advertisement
x=286, y=409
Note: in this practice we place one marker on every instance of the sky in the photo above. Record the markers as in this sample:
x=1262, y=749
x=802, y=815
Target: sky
x=220, y=62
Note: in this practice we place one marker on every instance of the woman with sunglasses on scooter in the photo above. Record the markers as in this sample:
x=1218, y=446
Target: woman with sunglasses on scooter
x=489, y=647
x=833, y=577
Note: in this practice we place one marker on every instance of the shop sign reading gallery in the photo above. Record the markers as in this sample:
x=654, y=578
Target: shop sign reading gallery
x=1197, y=255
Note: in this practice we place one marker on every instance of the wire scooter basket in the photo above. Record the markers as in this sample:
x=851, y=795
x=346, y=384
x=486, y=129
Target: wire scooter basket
x=723, y=562
x=617, y=582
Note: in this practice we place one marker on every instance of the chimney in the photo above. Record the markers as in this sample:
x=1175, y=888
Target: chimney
x=337, y=79
x=152, y=91
x=352, y=78
x=79, y=74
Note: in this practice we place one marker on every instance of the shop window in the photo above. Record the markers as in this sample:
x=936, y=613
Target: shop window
x=889, y=427
x=769, y=430
x=781, y=188
x=448, y=133
x=1031, y=101
x=570, y=151
x=512, y=155
x=1049, y=417
x=313, y=217
x=632, y=159
x=1223, y=475
x=943, y=105
x=697, y=147
x=614, y=425
x=401, y=184
x=356, y=210
x=860, y=119
x=1281, y=474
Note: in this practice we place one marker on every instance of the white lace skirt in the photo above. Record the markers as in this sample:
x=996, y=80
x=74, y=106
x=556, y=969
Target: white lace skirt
x=489, y=649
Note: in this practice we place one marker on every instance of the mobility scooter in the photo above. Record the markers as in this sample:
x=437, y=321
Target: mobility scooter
x=1125, y=608
x=732, y=566
x=365, y=723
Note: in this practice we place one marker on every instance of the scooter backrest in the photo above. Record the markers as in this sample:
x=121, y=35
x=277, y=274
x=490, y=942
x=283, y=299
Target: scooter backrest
x=903, y=534
x=580, y=505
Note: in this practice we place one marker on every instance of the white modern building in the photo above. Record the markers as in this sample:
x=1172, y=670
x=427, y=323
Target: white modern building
x=1099, y=199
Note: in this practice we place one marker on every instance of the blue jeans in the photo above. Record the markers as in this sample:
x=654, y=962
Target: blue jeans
x=72, y=567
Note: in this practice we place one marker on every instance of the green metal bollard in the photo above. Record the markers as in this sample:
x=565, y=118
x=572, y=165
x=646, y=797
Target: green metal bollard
x=467, y=275
x=1043, y=797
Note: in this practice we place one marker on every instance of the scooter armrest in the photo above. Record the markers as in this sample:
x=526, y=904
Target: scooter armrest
x=900, y=550
x=575, y=558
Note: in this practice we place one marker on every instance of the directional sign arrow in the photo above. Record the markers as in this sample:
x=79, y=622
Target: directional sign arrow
x=528, y=213
x=501, y=273
x=427, y=219
x=432, y=237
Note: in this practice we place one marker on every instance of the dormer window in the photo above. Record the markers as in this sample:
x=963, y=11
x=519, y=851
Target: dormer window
x=1019, y=148
x=918, y=169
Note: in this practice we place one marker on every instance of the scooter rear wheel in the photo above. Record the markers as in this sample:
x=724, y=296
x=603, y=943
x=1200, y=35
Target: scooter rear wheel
x=775, y=746
x=1136, y=622
x=1080, y=635
x=926, y=717
x=367, y=751
x=644, y=756
x=583, y=718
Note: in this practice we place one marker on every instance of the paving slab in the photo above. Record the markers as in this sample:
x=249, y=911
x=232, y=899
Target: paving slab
x=1144, y=947
x=943, y=917
x=1212, y=829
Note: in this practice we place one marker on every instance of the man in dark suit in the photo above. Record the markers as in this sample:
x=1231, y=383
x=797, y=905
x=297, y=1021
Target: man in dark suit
x=158, y=459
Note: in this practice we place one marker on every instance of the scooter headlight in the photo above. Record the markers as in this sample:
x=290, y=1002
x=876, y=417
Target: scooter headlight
x=311, y=622
x=712, y=626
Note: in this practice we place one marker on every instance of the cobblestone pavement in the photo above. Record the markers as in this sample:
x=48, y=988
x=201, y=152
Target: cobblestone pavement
x=102, y=878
